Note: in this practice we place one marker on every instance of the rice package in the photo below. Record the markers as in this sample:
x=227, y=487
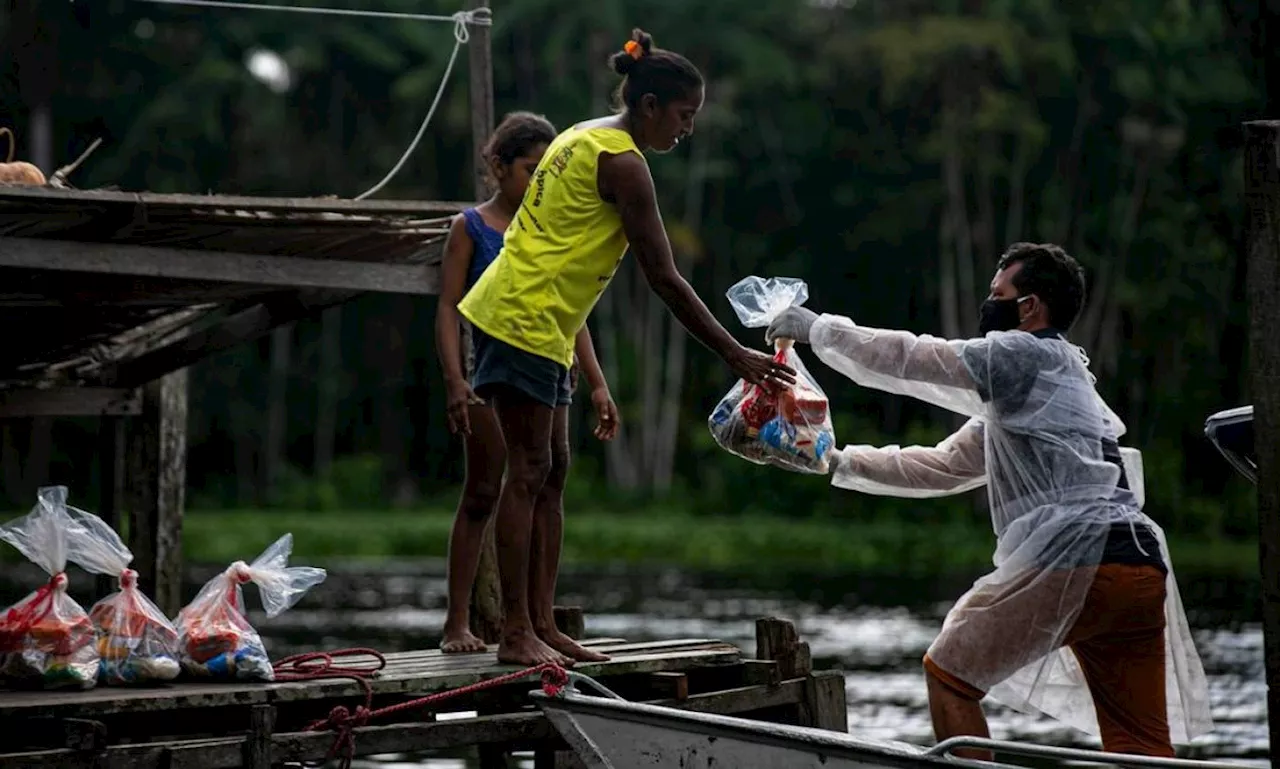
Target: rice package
x=137, y=644
x=215, y=638
x=46, y=639
x=787, y=426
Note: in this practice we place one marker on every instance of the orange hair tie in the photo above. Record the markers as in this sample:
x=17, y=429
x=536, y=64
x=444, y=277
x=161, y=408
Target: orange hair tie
x=633, y=48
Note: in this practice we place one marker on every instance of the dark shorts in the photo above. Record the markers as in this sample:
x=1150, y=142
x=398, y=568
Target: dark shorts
x=498, y=364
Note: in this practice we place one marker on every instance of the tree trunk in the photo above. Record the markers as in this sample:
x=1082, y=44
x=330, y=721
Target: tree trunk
x=328, y=371
x=273, y=450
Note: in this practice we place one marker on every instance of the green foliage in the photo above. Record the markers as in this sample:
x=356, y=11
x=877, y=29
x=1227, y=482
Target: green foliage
x=1103, y=123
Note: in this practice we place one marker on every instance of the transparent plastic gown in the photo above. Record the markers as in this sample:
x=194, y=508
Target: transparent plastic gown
x=1034, y=436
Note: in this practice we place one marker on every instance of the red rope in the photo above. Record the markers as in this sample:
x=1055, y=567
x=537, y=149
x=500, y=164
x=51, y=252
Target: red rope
x=312, y=666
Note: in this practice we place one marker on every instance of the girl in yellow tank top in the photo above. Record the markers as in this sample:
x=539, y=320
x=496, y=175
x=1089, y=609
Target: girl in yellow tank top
x=591, y=198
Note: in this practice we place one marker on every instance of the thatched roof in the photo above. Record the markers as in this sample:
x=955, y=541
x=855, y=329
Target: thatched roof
x=90, y=279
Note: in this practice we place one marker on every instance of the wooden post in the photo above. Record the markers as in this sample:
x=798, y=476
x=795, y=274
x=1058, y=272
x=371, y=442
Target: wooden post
x=257, y=749
x=824, y=701
x=156, y=482
x=776, y=639
x=486, y=595
x=1262, y=202
x=110, y=485
x=571, y=621
x=480, y=61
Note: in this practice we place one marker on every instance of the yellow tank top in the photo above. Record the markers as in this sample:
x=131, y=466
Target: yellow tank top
x=559, y=254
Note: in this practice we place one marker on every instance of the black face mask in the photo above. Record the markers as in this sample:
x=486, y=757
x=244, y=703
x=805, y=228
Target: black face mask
x=999, y=315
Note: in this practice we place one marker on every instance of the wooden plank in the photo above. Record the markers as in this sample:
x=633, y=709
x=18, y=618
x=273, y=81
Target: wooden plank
x=611, y=646
x=110, y=700
x=157, y=464
x=70, y=402
x=520, y=728
x=743, y=699
x=369, y=207
x=244, y=326
x=510, y=730
x=1262, y=244
x=217, y=266
x=825, y=704
x=673, y=685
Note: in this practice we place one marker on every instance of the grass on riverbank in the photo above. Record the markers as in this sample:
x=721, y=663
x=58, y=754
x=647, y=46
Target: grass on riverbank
x=701, y=543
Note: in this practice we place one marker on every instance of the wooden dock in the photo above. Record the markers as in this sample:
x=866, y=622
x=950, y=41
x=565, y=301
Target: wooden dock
x=217, y=726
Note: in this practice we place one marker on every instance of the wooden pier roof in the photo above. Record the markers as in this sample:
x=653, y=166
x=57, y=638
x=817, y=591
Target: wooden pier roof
x=107, y=290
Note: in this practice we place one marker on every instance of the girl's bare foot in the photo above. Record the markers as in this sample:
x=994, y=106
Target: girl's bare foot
x=571, y=648
x=524, y=648
x=460, y=642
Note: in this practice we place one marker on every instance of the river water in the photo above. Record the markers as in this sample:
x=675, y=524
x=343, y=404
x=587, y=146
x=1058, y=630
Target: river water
x=876, y=630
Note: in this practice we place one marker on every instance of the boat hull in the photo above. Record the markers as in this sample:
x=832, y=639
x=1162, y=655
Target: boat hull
x=614, y=734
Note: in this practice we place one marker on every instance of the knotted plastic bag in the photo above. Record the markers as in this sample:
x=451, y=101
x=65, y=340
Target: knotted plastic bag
x=215, y=637
x=46, y=639
x=137, y=644
x=787, y=426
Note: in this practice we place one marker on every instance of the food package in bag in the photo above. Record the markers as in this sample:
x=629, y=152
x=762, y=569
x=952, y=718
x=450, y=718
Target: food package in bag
x=215, y=638
x=46, y=639
x=137, y=644
x=787, y=426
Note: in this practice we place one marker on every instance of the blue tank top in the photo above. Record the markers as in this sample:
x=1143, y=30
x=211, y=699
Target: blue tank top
x=487, y=240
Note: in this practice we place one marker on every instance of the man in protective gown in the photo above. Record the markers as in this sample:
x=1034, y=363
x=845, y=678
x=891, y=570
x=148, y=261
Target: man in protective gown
x=1081, y=618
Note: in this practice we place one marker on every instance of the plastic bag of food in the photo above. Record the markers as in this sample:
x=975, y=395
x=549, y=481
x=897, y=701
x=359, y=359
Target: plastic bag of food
x=788, y=426
x=215, y=637
x=46, y=639
x=137, y=644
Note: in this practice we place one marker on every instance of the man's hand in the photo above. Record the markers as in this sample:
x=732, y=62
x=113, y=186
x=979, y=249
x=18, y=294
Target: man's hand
x=606, y=414
x=833, y=461
x=792, y=323
x=758, y=368
x=460, y=397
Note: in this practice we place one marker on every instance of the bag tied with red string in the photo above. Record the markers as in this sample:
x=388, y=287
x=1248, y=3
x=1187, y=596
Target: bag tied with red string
x=137, y=644
x=215, y=637
x=787, y=426
x=46, y=639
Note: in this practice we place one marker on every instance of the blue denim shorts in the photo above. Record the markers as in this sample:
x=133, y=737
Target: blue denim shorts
x=498, y=364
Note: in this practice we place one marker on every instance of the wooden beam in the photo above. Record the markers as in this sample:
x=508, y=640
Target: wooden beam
x=69, y=402
x=244, y=326
x=1262, y=241
x=157, y=465
x=423, y=208
x=217, y=266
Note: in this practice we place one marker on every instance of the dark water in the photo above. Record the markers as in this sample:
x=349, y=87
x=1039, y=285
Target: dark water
x=876, y=630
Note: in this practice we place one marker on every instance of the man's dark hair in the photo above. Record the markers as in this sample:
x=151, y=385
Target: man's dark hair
x=665, y=74
x=516, y=135
x=1051, y=274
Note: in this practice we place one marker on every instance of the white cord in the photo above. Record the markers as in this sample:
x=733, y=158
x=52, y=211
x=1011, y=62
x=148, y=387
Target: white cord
x=460, y=37
x=480, y=17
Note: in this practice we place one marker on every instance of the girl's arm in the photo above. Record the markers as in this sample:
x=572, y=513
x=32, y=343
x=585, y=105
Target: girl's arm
x=587, y=361
x=458, y=250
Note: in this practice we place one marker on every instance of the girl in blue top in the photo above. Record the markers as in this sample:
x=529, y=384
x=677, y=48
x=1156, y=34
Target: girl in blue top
x=475, y=238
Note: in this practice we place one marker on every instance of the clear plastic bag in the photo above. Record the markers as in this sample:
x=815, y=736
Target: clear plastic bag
x=787, y=426
x=137, y=644
x=46, y=639
x=215, y=637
